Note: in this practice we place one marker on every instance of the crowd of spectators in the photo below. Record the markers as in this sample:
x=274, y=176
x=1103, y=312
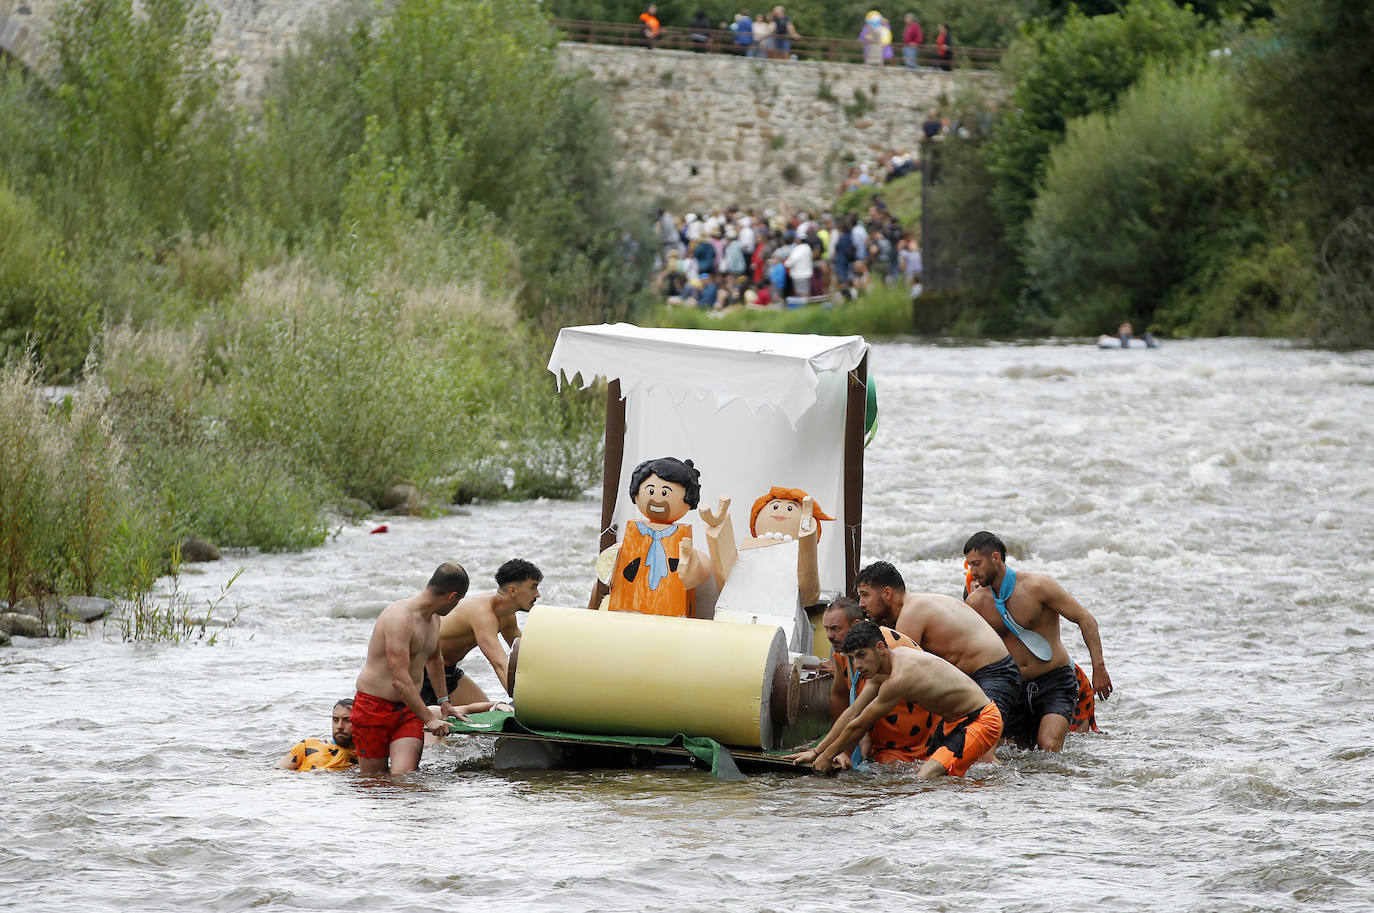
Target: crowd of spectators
x=770, y=34
x=736, y=257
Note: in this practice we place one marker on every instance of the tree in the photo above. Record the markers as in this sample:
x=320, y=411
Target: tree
x=1060, y=74
x=1141, y=205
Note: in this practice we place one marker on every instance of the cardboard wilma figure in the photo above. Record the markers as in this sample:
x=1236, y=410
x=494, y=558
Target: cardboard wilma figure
x=772, y=575
x=656, y=568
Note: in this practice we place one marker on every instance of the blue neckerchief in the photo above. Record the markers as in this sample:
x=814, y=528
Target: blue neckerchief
x=1034, y=642
x=658, y=557
x=857, y=757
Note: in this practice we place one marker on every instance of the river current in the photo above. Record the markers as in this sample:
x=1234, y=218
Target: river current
x=1211, y=503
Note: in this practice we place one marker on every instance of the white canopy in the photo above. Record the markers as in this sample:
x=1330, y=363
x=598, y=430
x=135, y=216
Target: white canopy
x=751, y=410
x=778, y=370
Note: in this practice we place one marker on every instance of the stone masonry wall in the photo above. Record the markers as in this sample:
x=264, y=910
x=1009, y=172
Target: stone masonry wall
x=716, y=129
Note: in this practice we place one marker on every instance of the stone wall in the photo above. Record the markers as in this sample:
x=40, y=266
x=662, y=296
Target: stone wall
x=716, y=129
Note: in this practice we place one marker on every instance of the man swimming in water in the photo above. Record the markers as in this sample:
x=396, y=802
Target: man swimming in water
x=317, y=754
x=389, y=718
x=1035, y=602
x=482, y=620
x=944, y=626
x=970, y=724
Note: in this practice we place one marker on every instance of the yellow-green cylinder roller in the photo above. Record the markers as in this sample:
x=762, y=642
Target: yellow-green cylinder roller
x=624, y=673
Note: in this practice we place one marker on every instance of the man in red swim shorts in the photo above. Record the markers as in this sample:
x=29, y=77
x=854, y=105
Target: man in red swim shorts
x=389, y=718
x=970, y=723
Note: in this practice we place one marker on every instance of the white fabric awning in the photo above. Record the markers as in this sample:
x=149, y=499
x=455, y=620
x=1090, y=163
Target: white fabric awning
x=777, y=370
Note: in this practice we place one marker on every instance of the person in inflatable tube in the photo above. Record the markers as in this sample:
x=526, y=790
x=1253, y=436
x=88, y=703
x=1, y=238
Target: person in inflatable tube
x=656, y=569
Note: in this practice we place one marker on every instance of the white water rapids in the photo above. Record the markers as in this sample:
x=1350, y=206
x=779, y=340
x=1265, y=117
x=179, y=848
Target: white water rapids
x=1211, y=503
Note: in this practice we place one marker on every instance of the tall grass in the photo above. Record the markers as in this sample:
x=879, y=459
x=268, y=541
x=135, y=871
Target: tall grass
x=71, y=521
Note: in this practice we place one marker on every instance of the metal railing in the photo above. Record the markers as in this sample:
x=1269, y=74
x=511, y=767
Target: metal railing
x=722, y=41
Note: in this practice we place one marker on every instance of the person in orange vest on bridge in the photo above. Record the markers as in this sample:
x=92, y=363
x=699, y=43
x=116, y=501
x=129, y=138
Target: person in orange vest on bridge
x=649, y=27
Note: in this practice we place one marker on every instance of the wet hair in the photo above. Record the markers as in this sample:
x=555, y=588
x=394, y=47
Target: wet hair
x=346, y=702
x=864, y=635
x=449, y=577
x=851, y=609
x=880, y=574
x=669, y=469
x=517, y=570
x=985, y=543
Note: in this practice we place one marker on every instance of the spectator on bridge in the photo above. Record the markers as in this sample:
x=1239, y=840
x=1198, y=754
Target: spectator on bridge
x=944, y=48
x=912, y=39
x=871, y=36
x=700, y=33
x=743, y=27
x=783, y=33
x=763, y=36
x=649, y=27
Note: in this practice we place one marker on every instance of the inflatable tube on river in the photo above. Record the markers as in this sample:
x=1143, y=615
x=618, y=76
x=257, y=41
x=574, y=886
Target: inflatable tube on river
x=623, y=673
x=1136, y=342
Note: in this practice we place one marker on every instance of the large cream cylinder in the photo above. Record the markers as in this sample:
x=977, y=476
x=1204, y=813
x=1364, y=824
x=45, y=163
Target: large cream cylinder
x=623, y=673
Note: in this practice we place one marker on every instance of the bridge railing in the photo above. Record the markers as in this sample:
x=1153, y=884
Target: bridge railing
x=722, y=41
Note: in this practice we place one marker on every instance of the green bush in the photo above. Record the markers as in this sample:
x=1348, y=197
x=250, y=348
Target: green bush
x=902, y=197
x=883, y=312
x=1140, y=205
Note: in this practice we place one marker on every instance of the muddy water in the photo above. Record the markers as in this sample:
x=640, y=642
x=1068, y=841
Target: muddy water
x=1211, y=503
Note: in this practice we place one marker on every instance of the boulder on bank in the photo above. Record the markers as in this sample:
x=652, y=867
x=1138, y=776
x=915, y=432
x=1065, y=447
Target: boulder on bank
x=354, y=508
x=5, y=639
x=195, y=550
x=403, y=500
x=21, y=625
x=87, y=609
x=35, y=606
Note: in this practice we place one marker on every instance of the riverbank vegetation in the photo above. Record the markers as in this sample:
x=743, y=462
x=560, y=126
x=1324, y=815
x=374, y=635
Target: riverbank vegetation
x=260, y=311
x=1193, y=175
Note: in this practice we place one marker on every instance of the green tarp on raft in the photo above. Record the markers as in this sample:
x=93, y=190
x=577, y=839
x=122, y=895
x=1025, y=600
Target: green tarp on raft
x=708, y=751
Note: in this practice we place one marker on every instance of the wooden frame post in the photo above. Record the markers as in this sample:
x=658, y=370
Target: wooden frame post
x=610, y=475
x=856, y=407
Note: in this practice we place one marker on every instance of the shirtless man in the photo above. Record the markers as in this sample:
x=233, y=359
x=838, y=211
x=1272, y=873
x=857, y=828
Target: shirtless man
x=481, y=620
x=944, y=626
x=389, y=718
x=1036, y=603
x=970, y=725
x=899, y=736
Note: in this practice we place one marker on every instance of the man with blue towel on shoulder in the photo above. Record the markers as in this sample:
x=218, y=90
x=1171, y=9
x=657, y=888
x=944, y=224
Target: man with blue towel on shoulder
x=1025, y=609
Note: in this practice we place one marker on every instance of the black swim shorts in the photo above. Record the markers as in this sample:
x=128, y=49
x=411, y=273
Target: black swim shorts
x=452, y=674
x=1001, y=682
x=1055, y=692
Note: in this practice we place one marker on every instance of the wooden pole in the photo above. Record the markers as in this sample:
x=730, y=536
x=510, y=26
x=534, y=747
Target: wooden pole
x=610, y=475
x=856, y=407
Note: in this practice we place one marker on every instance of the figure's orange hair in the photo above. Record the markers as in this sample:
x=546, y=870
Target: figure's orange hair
x=777, y=493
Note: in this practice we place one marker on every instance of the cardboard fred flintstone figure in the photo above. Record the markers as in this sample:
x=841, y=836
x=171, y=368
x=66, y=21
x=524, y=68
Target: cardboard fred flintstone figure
x=656, y=569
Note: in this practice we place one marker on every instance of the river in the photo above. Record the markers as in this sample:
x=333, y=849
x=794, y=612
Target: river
x=1211, y=503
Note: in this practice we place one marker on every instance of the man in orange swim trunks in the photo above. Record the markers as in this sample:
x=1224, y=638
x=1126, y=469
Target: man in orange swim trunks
x=899, y=736
x=971, y=723
x=389, y=718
